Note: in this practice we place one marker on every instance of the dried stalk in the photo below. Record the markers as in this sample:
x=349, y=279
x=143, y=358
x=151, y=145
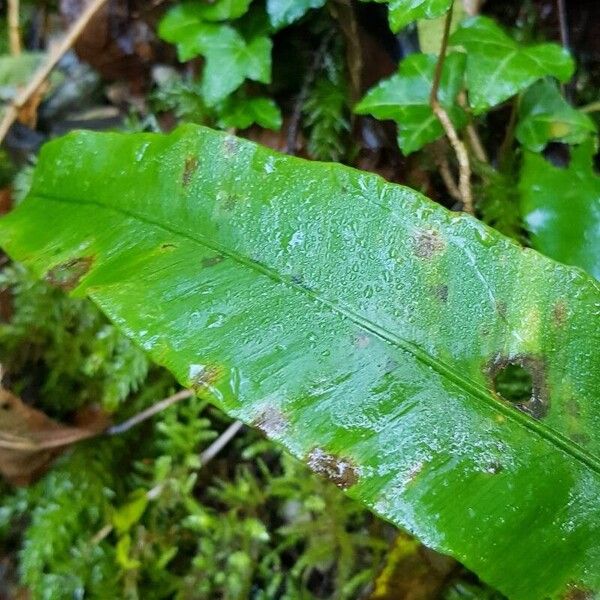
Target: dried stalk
x=464, y=166
x=14, y=33
x=44, y=71
x=149, y=412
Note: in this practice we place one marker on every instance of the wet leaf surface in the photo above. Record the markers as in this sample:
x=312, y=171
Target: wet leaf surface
x=305, y=298
x=561, y=207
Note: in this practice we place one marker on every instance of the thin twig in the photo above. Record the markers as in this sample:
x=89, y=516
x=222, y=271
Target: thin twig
x=472, y=134
x=14, y=34
x=509, y=136
x=44, y=71
x=592, y=107
x=439, y=156
x=464, y=167
x=448, y=180
x=294, y=126
x=149, y=412
x=220, y=442
x=563, y=25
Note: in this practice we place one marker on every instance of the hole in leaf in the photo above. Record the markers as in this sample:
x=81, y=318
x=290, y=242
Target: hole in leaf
x=520, y=380
x=514, y=383
x=558, y=154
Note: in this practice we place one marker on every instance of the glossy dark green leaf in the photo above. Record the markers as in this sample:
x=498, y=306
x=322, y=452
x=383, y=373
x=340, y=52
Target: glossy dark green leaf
x=561, y=207
x=284, y=12
x=240, y=113
x=498, y=67
x=404, y=98
x=188, y=14
x=544, y=116
x=355, y=322
x=226, y=51
x=403, y=12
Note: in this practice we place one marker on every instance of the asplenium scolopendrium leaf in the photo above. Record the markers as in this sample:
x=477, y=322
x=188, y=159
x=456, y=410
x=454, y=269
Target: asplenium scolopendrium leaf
x=285, y=12
x=355, y=322
x=499, y=67
x=544, y=116
x=404, y=98
x=225, y=49
x=561, y=207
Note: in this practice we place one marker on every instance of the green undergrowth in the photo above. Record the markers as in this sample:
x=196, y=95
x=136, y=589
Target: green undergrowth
x=138, y=515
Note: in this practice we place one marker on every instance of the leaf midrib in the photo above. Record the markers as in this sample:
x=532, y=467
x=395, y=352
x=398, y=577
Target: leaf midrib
x=471, y=387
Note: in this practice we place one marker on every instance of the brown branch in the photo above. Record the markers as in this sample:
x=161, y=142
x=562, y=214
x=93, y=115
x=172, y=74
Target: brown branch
x=472, y=134
x=438, y=149
x=464, y=167
x=12, y=111
x=14, y=34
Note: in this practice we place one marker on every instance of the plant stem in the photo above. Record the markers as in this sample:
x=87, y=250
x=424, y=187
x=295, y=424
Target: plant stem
x=220, y=442
x=509, y=137
x=149, y=412
x=14, y=35
x=592, y=107
x=12, y=111
x=464, y=167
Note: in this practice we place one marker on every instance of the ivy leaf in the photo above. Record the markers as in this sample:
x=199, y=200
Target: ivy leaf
x=240, y=113
x=363, y=327
x=404, y=98
x=403, y=12
x=225, y=50
x=190, y=14
x=285, y=12
x=561, y=207
x=544, y=115
x=498, y=67
x=192, y=36
x=239, y=59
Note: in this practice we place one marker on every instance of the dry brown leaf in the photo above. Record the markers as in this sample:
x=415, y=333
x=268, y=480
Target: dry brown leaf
x=30, y=440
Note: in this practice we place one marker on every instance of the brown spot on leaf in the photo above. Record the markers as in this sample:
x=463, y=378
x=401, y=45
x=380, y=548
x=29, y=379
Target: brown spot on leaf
x=573, y=408
x=67, y=275
x=189, y=168
x=440, y=292
x=501, y=309
x=538, y=404
x=428, y=243
x=211, y=261
x=576, y=592
x=338, y=470
x=559, y=313
x=271, y=421
x=167, y=246
x=203, y=377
